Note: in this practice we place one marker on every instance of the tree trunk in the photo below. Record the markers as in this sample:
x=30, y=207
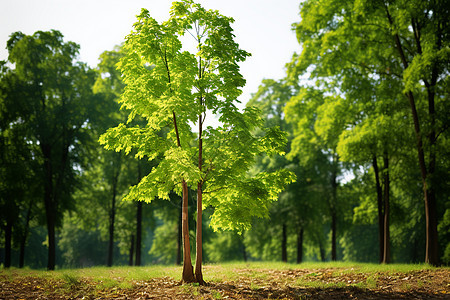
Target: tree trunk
x=386, y=250
x=179, y=236
x=112, y=216
x=321, y=251
x=8, y=234
x=333, y=208
x=283, y=243
x=431, y=247
x=333, y=236
x=130, y=257
x=188, y=272
x=49, y=204
x=138, y=233
x=300, y=246
x=23, y=240
x=380, y=208
x=51, y=242
x=198, y=254
x=199, y=244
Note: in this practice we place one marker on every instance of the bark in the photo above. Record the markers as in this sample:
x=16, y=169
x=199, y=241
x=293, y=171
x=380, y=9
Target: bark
x=8, y=234
x=138, y=223
x=333, y=209
x=138, y=233
x=50, y=210
x=198, y=257
x=24, y=237
x=112, y=217
x=51, y=242
x=380, y=208
x=386, y=249
x=130, y=257
x=284, y=244
x=188, y=272
x=300, y=246
x=179, y=236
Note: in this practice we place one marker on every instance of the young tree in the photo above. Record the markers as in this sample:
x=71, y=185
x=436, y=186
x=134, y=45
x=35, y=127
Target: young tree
x=172, y=88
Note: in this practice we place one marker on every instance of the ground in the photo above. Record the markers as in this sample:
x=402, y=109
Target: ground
x=232, y=282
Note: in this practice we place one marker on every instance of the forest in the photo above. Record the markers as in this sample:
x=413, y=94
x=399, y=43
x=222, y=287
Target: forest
x=346, y=158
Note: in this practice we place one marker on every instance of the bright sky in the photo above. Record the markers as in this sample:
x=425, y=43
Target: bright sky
x=262, y=27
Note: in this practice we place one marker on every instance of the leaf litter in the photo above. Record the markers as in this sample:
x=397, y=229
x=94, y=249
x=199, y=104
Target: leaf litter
x=324, y=283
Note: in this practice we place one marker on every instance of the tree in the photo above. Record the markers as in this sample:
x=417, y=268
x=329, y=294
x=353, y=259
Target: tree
x=171, y=88
x=406, y=41
x=54, y=106
x=315, y=136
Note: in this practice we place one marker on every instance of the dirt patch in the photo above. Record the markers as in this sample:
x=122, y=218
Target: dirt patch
x=251, y=284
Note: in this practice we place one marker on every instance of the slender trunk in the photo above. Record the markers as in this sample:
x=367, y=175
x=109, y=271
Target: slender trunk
x=431, y=248
x=199, y=245
x=300, y=246
x=188, y=272
x=130, y=257
x=283, y=243
x=198, y=256
x=24, y=237
x=49, y=204
x=386, y=250
x=333, y=209
x=112, y=216
x=321, y=251
x=380, y=208
x=51, y=243
x=138, y=233
x=8, y=234
x=138, y=222
x=179, y=236
x=333, y=236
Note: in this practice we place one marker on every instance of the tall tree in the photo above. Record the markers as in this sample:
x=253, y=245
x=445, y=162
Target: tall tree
x=404, y=41
x=315, y=136
x=55, y=110
x=170, y=88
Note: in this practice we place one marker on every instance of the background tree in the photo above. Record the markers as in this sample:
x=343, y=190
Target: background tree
x=315, y=140
x=55, y=110
x=400, y=40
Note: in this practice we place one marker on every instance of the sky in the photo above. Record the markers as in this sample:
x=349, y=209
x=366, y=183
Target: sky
x=262, y=27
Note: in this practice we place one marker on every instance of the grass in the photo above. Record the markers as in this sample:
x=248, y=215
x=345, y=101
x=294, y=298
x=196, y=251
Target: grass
x=72, y=280
x=233, y=279
x=190, y=289
x=123, y=277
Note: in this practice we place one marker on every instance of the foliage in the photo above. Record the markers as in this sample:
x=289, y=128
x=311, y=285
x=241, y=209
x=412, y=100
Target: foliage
x=169, y=88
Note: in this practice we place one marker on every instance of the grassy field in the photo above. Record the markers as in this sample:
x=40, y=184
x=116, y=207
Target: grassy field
x=238, y=280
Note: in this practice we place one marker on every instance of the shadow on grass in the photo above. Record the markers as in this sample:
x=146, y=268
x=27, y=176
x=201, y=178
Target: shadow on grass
x=351, y=292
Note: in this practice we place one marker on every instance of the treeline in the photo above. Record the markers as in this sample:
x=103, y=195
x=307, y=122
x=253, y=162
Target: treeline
x=366, y=108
